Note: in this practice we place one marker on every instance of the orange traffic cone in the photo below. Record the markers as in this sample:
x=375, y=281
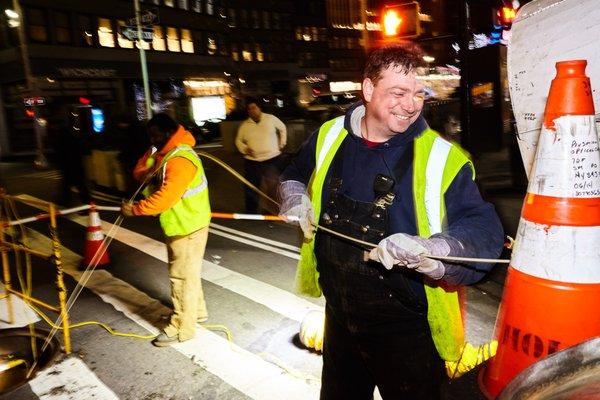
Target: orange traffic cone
x=552, y=289
x=95, y=252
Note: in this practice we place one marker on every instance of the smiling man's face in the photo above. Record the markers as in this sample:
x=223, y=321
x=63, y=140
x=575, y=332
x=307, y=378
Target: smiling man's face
x=394, y=102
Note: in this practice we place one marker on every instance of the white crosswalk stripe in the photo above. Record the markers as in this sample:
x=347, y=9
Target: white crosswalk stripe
x=70, y=379
x=260, y=379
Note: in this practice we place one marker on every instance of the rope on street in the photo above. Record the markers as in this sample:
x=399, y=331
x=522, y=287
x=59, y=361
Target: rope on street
x=341, y=235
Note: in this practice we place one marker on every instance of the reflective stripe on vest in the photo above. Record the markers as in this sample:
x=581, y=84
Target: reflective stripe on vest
x=433, y=183
x=196, y=189
x=435, y=166
x=192, y=211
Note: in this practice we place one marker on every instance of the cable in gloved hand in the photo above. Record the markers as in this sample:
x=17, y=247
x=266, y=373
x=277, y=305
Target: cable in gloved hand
x=411, y=252
x=296, y=207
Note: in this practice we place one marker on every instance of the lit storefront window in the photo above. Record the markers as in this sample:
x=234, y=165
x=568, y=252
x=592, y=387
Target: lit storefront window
x=106, y=37
x=123, y=42
x=187, y=44
x=173, y=39
x=183, y=4
x=158, y=42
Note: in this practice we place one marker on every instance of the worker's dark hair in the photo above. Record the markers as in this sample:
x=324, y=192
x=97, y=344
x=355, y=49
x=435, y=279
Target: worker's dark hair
x=404, y=56
x=164, y=123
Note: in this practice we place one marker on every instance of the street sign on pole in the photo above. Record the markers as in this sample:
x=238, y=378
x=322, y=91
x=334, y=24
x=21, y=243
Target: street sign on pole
x=147, y=17
x=131, y=33
x=34, y=101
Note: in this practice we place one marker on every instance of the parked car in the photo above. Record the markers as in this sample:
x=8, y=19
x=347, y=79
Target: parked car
x=329, y=105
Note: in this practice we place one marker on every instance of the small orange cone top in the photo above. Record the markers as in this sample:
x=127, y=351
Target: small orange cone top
x=570, y=92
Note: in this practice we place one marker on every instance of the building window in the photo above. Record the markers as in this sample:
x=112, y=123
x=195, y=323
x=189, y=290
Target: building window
x=259, y=53
x=231, y=18
x=184, y=4
x=106, y=37
x=266, y=23
x=173, y=39
x=62, y=27
x=246, y=52
x=223, y=50
x=199, y=42
x=197, y=6
x=86, y=35
x=255, y=19
x=210, y=7
x=244, y=18
x=235, y=54
x=145, y=45
x=37, y=25
x=158, y=42
x=122, y=41
x=211, y=45
x=157, y=2
x=276, y=19
x=187, y=45
x=169, y=3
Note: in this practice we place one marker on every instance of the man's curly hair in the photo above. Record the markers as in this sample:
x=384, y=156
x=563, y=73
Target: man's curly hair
x=404, y=56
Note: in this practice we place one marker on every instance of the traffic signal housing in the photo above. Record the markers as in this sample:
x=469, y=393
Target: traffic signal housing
x=401, y=21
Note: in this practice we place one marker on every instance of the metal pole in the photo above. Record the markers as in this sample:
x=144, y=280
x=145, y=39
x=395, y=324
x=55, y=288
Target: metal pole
x=143, y=60
x=465, y=89
x=6, y=272
x=39, y=127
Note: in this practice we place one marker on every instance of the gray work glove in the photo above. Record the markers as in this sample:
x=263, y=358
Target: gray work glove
x=408, y=251
x=296, y=207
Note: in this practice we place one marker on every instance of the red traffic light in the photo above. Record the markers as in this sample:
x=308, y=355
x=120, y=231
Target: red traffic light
x=506, y=16
x=391, y=23
x=401, y=20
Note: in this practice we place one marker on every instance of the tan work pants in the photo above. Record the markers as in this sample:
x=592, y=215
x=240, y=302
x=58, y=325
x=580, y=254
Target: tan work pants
x=185, y=264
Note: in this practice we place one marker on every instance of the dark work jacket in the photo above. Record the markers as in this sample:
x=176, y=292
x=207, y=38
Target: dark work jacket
x=472, y=226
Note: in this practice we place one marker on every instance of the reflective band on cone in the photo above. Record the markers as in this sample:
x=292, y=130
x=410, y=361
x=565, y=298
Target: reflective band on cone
x=552, y=288
x=93, y=243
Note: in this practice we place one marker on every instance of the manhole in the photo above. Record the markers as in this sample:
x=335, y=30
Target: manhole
x=16, y=356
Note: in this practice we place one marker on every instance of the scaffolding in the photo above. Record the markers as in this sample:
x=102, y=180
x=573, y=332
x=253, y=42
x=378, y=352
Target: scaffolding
x=54, y=257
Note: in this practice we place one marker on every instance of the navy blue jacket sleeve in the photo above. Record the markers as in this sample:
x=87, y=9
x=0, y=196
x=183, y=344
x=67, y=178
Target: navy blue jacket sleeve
x=473, y=229
x=302, y=166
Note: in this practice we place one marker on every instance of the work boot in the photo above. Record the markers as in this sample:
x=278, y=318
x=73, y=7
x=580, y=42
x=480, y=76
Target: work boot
x=163, y=340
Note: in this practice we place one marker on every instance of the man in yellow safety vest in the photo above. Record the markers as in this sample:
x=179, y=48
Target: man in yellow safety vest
x=178, y=192
x=381, y=175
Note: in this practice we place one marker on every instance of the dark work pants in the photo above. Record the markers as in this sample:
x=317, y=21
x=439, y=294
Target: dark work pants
x=374, y=336
x=264, y=175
